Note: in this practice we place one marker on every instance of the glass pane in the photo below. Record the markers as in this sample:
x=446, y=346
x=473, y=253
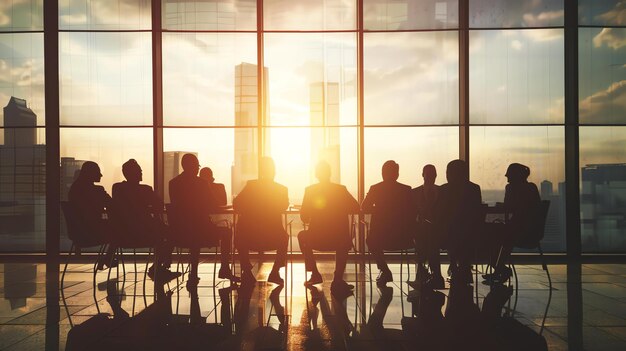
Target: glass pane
x=230, y=153
x=515, y=14
x=209, y=79
x=492, y=149
x=309, y=14
x=602, y=77
x=601, y=13
x=296, y=151
x=22, y=74
x=310, y=75
x=410, y=14
x=412, y=148
x=411, y=78
x=21, y=15
x=104, y=15
x=603, y=195
x=517, y=76
x=209, y=14
x=106, y=78
x=22, y=186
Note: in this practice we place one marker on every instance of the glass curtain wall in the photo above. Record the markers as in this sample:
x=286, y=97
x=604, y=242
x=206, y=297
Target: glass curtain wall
x=22, y=122
x=351, y=82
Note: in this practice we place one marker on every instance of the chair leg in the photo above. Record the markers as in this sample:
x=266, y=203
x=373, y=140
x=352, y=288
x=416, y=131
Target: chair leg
x=145, y=273
x=95, y=273
x=516, y=289
x=545, y=267
x=67, y=310
x=135, y=280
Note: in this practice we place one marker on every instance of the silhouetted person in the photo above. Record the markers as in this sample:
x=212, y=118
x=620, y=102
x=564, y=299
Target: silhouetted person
x=138, y=208
x=427, y=241
x=458, y=217
x=90, y=201
x=391, y=226
x=260, y=206
x=217, y=189
x=521, y=199
x=194, y=202
x=325, y=208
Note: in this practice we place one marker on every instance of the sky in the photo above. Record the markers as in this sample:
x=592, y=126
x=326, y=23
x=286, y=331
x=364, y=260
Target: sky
x=516, y=76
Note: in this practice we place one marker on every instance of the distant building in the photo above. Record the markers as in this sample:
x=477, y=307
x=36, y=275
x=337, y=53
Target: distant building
x=246, y=156
x=70, y=167
x=554, y=231
x=22, y=172
x=603, y=207
x=171, y=168
x=324, y=121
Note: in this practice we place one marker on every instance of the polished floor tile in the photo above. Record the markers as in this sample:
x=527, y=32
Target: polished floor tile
x=126, y=313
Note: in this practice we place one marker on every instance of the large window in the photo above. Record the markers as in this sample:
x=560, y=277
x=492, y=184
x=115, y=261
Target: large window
x=415, y=81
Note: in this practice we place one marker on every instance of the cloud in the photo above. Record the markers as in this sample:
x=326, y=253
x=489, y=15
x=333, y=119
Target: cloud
x=615, y=16
x=542, y=35
x=606, y=105
x=615, y=39
x=543, y=18
x=11, y=9
x=517, y=45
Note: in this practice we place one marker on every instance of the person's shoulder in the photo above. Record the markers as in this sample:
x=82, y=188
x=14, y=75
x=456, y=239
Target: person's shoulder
x=118, y=185
x=145, y=187
x=175, y=180
x=418, y=188
x=280, y=186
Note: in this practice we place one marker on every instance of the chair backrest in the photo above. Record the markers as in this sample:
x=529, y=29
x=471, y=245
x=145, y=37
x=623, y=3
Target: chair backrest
x=536, y=229
x=76, y=228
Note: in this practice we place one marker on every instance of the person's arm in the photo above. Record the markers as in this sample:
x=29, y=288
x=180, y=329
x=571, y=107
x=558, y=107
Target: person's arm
x=221, y=195
x=155, y=201
x=106, y=199
x=305, y=210
x=350, y=202
x=368, y=203
x=240, y=202
x=284, y=203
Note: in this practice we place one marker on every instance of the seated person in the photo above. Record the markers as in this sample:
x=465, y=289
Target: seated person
x=138, y=209
x=424, y=198
x=325, y=208
x=260, y=206
x=389, y=202
x=217, y=189
x=458, y=218
x=90, y=201
x=193, y=202
x=521, y=198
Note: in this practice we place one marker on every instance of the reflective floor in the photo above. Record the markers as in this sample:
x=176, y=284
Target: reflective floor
x=267, y=316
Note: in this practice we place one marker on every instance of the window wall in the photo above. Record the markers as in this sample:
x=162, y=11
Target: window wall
x=351, y=82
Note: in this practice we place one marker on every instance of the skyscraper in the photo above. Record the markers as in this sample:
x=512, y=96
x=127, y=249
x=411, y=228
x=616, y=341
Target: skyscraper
x=603, y=207
x=325, y=137
x=246, y=157
x=22, y=171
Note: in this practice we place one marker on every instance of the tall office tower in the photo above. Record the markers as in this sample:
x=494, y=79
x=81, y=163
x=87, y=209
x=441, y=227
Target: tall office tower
x=22, y=171
x=603, y=207
x=171, y=168
x=554, y=231
x=70, y=167
x=246, y=157
x=325, y=137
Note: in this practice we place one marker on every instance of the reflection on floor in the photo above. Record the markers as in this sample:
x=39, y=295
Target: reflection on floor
x=267, y=316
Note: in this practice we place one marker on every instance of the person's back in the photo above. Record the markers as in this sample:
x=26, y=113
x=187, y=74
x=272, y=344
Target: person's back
x=191, y=197
x=458, y=208
x=520, y=200
x=389, y=202
x=425, y=197
x=326, y=207
x=88, y=199
x=260, y=206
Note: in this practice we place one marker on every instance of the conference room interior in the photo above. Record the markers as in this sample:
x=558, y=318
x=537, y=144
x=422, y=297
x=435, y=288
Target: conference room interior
x=354, y=83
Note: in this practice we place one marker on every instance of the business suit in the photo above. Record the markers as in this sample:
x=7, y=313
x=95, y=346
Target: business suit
x=325, y=208
x=260, y=206
x=426, y=238
x=391, y=226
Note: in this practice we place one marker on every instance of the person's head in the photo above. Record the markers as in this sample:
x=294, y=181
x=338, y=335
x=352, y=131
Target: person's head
x=429, y=173
x=322, y=171
x=190, y=164
x=90, y=172
x=391, y=171
x=517, y=172
x=132, y=171
x=207, y=174
x=267, y=169
x=457, y=172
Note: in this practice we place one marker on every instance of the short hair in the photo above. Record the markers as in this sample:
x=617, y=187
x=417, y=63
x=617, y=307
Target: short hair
x=89, y=169
x=128, y=166
x=517, y=171
x=267, y=169
x=428, y=168
x=189, y=161
x=322, y=170
x=391, y=170
x=457, y=171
